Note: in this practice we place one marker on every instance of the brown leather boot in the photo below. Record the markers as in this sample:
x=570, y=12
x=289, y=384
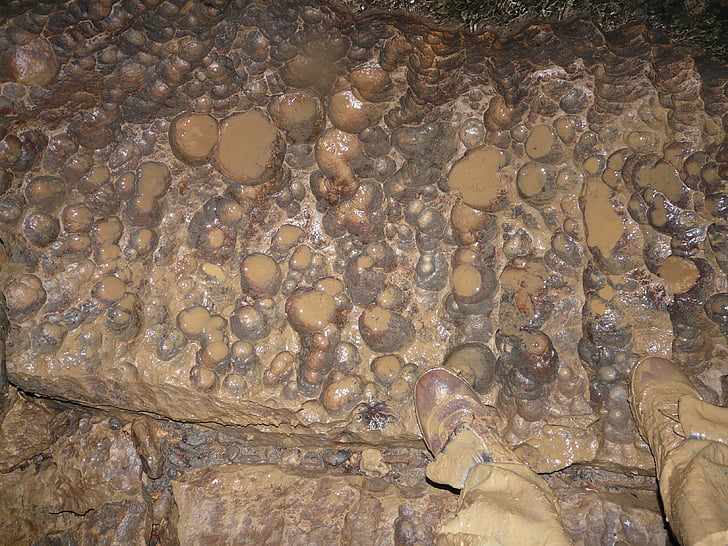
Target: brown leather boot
x=457, y=427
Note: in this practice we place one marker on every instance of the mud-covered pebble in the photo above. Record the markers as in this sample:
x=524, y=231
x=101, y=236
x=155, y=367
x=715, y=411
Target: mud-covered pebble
x=281, y=369
x=479, y=178
x=248, y=323
x=40, y=228
x=475, y=363
x=343, y=392
x=386, y=368
x=193, y=137
x=24, y=295
x=385, y=331
x=260, y=276
x=203, y=378
x=249, y=149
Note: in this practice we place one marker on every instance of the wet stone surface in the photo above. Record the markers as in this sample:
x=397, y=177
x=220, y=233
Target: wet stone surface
x=159, y=482
x=277, y=216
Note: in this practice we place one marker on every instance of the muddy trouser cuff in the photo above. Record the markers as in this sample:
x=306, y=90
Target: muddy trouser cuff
x=500, y=502
x=504, y=503
x=694, y=490
x=465, y=449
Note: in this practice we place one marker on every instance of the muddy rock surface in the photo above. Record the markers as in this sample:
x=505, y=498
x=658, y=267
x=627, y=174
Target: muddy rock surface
x=235, y=233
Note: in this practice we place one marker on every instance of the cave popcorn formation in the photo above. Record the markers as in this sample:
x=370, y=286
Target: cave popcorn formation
x=279, y=215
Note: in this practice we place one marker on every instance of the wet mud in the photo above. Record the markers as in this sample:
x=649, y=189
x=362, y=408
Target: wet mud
x=277, y=216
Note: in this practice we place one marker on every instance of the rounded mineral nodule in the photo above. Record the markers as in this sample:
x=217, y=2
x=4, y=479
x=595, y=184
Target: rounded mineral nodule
x=213, y=354
x=124, y=316
x=281, y=369
x=76, y=218
x=40, y=228
x=470, y=225
x=386, y=368
x=342, y=393
x=301, y=258
x=193, y=137
x=536, y=183
x=500, y=116
x=479, y=178
x=680, y=274
x=309, y=311
x=249, y=149
x=107, y=231
x=11, y=209
x=717, y=310
x=97, y=177
x=400, y=390
x=363, y=279
x=48, y=337
x=475, y=363
x=287, y=237
x=299, y=115
x=385, y=331
x=391, y=297
x=574, y=101
x=336, y=152
x=371, y=82
x=192, y=321
x=260, y=276
x=529, y=362
x=142, y=242
x=24, y=296
x=350, y=114
x=109, y=289
x=203, y=378
x=152, y=179
x=248, y=323
x=345, y=356
x=472, y=285
x=45, y=192
x=171, y=344
x=235, y=383
x=542, y=144
x=31, y=63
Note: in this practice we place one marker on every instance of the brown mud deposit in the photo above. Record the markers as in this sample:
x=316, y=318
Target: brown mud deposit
x=257, y=223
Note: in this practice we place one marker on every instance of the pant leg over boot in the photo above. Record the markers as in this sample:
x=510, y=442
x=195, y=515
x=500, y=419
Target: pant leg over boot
x=687, y=437
x=500, y=503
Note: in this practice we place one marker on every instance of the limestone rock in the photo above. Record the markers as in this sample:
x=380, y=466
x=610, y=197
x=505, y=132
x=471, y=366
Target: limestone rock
x=266, y=504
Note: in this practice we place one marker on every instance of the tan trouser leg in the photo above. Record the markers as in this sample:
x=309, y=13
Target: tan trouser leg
x=694, y=490
x=500, y=503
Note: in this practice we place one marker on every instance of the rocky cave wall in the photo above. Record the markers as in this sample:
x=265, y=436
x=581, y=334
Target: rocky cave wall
x=259, y=222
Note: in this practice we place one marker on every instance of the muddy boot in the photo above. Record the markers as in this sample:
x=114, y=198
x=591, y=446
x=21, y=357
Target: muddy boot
x=502, y=501
x=656, y=387
x=457, y=427
x=686, y=436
